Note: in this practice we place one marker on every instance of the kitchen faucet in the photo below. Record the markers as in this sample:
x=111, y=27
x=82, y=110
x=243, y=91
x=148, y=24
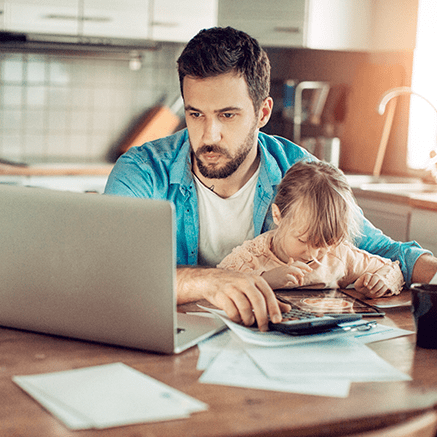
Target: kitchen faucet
x=394, y=92
x=385, y=98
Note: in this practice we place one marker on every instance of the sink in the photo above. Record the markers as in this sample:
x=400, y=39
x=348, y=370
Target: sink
x=391, y=184
x=400, y=188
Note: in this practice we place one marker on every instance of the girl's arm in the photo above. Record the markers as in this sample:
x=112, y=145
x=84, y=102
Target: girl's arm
x=284, y=276
x=373, y=275
x=387, y=281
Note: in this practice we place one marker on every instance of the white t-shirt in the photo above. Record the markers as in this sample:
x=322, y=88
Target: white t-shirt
x=224, y=223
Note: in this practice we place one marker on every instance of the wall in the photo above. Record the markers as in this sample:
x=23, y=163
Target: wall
x=340, y=69
x=59, y=107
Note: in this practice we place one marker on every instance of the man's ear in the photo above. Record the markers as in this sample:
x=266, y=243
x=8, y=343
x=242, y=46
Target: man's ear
x=276, y=214
x=265, y=112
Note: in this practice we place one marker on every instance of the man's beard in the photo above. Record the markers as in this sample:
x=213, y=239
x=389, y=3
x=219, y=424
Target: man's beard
x=211, y=172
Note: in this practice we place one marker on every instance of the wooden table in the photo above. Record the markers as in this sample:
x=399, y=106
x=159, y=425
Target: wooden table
x=232, y=411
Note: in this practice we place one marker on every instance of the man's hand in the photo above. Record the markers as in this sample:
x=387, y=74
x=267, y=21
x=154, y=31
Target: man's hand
x=244, y=297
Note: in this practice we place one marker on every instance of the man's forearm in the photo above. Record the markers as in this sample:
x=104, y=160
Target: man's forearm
x=424, y=269
x=191, y=281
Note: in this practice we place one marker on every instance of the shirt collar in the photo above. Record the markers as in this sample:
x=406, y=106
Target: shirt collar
x=180, y=172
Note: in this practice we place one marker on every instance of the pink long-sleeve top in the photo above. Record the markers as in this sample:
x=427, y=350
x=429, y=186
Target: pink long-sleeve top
x=340, y=266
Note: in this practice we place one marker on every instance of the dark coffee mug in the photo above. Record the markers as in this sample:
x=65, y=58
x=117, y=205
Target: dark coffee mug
x=424, y=308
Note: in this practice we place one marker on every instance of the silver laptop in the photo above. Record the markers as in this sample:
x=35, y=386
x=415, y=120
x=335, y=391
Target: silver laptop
x=93, y=267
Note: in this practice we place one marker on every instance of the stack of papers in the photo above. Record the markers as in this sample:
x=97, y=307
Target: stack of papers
x=319, y=364
x=106, y=396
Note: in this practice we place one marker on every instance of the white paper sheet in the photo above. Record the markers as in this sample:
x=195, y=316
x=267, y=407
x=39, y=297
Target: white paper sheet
x=106, y=396
x=210, y=348
x=324, y=368
x=232, y=366
x=340, y=358
x=379, y=333
x=274, y=338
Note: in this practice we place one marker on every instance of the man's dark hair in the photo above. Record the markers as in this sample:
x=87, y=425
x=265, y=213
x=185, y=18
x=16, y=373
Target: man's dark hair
x=220, y=50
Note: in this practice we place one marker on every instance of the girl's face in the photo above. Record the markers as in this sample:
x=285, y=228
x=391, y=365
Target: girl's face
x=291, y=243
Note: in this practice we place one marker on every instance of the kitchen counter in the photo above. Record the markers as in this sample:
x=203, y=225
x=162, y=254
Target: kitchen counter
x=79, y=177
x=411, y=192
x=57, y=169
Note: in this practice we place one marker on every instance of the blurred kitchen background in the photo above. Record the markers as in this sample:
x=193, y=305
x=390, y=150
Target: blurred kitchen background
x=79, y=78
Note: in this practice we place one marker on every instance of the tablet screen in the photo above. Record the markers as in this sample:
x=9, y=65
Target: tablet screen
x=326, y=302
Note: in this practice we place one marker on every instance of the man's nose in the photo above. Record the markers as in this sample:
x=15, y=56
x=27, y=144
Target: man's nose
x=212, y=132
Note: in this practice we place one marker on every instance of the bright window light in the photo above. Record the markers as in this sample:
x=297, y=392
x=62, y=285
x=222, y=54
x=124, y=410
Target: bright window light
x=422, y=131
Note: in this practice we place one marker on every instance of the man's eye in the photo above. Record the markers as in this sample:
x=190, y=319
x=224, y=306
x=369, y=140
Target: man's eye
x=228, y=114
x=195, y=114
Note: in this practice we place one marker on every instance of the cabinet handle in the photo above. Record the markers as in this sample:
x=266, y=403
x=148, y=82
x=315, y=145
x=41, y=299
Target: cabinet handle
x=76, y=18
x=96, y=19
x=165, y=23
x=61, y=17
x=287, y=29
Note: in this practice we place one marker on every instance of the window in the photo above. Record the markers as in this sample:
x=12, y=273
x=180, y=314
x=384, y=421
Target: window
x=422, y=132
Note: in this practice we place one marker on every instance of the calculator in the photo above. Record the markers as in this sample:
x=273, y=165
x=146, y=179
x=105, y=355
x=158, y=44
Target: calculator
x=300, y=322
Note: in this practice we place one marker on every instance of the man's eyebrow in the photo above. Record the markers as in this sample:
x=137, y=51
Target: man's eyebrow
x=229, y=109
x=217, y=111
x=191, y=108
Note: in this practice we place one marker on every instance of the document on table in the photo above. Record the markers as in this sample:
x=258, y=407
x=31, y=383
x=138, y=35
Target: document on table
x=107, y=396
x=340, y=358
x=277, y=339
x=323, y=368
x=231, y=365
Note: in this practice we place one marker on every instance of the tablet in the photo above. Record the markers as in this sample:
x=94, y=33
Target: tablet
x=326, y=302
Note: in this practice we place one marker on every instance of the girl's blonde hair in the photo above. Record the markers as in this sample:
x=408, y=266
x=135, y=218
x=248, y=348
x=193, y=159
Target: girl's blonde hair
x=315, y=198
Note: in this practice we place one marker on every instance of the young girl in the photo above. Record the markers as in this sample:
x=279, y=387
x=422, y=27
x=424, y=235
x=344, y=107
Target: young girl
x=316, y=220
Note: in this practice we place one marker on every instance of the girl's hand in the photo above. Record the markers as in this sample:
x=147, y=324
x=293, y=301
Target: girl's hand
x=293, y=273
x=371, y=285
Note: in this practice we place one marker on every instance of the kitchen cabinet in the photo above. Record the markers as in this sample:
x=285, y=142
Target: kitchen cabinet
x=115, y=19
x=363, y=25
x=273, y=23
x=423, y=228
x=98, y=21
x=36, y=16
x=94, y=18
x=392, y=218
x=178, y=21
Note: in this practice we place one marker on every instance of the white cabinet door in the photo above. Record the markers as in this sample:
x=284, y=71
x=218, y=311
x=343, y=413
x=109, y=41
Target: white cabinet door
x=279, y=23
x=179, y=21
x=392, y=218
x=115, y=19
x=339, y=24
x=423, y=228
x=42, y=16
x=325, y=24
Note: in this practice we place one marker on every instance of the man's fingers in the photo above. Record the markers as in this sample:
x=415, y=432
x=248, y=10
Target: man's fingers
x=271, y=307
x=244, y=297
x=284, y=307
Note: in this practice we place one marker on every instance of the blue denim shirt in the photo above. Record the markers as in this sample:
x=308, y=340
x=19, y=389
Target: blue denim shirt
x=161, y=169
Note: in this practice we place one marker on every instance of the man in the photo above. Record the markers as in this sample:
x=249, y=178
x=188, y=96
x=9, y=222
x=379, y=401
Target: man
x=221, y=174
